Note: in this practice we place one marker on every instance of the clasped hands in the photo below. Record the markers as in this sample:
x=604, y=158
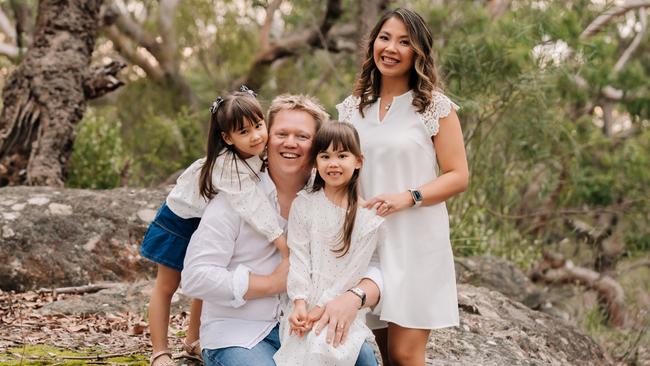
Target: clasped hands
x=337, y=316
x=301, y=320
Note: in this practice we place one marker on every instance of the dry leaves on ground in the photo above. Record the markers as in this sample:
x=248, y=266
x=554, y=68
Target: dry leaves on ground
x=95, y=336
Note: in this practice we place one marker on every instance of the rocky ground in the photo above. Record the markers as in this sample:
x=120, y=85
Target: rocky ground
x=110, y=327
x=51, y=238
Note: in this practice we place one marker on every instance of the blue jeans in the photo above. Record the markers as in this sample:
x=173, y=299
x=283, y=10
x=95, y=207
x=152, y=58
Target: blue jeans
x=262, y=353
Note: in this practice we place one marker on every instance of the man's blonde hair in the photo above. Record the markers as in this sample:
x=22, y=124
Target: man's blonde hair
x=297, y=102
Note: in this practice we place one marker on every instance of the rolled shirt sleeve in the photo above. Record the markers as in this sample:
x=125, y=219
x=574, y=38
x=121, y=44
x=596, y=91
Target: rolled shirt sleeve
x=206, y=274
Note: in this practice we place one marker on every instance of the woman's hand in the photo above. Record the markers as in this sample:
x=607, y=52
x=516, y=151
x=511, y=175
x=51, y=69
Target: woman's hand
x=390, y=203
x=314, y=315
x=337, y=317
x=298, y=319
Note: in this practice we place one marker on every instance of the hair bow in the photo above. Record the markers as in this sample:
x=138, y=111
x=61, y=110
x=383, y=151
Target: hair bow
x=216, y=104
x=245, y=89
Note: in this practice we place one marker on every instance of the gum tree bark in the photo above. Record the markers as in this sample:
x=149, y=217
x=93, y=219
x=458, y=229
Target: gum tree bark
x=45, y=97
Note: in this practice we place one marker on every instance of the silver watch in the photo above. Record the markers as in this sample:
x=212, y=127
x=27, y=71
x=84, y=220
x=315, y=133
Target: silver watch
x=417, y=197
x=359, y=292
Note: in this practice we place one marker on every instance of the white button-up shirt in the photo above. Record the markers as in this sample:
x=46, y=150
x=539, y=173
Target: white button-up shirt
x=220, y=255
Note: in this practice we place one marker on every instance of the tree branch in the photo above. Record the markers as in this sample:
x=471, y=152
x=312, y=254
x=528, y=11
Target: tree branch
x=169, y=48
x=265, y=32
x=9, y=50
x=24, y=23
x=625, y=57
x=611, y=13
x=125, y=24
x=290, y=46
x=555, y=269
x=124, y=46
x=103, y=79
x=7, y=28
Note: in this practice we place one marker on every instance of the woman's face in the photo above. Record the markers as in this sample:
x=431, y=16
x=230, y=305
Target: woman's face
x=392, y=51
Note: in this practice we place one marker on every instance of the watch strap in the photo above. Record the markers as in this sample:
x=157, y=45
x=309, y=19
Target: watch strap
x=360, y=293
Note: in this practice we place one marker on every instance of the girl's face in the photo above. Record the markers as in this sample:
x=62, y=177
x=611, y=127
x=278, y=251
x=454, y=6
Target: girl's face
x=250, y=140
x=392, y=51
x=336, y=167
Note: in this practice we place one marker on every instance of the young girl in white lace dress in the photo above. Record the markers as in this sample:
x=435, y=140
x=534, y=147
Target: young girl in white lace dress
x=414, y=161
x=331, y=242
x=236, y=142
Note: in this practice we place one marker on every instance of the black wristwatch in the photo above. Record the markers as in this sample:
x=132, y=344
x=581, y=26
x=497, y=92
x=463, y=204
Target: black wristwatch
x=417, y=197
x=359, y=292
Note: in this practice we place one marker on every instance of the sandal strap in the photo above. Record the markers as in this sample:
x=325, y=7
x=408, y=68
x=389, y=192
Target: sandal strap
x=158, y=354
x=191, y=348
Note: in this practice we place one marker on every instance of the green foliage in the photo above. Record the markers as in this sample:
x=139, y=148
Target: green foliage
x=98, y=156
x=161, y=135
x=534, y=152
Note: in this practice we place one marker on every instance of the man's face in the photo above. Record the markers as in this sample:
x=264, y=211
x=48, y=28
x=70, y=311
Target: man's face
x=290, y=140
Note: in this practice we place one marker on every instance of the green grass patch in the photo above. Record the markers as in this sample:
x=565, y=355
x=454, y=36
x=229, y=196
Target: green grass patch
x=41, y=354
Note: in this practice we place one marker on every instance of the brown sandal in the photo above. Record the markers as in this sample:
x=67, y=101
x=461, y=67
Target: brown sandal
x=192, y=350
x=157, y=355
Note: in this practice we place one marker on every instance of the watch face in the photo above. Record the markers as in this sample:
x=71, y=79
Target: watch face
x=418, y=195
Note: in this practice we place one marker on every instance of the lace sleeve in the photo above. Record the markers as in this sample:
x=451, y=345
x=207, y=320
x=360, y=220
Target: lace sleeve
x=440, y=107
x=234, y=178
x=347, y=108
x=299, y=278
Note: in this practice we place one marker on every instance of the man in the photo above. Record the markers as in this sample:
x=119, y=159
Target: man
x=240, y=276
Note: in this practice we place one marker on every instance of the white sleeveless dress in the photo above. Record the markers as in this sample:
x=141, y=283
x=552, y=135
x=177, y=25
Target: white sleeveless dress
x=416, y=259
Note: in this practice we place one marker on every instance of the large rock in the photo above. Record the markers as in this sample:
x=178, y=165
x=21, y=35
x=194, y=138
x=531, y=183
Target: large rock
x=499, y=275
x=67, y=237
x=495, y=330
x=123, y=298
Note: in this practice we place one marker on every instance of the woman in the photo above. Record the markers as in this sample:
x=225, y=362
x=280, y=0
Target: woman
x=415, y=160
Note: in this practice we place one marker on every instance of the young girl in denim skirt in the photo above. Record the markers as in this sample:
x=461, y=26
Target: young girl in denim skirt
x=237, y=140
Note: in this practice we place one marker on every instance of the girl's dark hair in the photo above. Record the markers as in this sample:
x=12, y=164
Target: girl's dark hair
x=423, y=79
x=341, y=136
x=232, y=114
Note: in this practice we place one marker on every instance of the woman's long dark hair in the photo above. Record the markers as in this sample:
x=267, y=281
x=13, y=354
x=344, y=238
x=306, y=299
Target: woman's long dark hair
x=231, y=114
x=423, y=79
x=341, y=136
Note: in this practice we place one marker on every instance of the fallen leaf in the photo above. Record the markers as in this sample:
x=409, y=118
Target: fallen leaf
x=78, y=328
x=137, y=329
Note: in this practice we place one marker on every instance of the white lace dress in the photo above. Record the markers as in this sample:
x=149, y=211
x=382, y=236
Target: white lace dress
x=416, y=259
x=237, y=180
x=318, y=276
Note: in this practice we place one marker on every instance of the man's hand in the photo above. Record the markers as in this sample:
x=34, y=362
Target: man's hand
x=337, y=317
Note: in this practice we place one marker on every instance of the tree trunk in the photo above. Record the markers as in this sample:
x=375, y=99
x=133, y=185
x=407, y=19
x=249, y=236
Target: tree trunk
x=45, y=97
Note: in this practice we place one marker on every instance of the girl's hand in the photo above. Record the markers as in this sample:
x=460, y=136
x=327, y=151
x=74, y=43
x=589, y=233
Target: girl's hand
x=281, y=244
x=390, y=203
x=298, y=318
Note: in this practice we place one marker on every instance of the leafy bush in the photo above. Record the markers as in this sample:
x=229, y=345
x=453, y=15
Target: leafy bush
x=98, y=155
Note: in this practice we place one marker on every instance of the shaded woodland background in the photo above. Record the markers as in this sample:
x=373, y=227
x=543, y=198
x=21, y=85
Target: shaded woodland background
x=555, y=99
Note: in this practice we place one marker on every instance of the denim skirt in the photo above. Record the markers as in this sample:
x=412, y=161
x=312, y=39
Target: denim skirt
x=167, y=237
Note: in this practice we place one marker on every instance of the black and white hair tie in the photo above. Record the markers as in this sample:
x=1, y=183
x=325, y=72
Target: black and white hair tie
x=245, y=89
x=215, y=105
